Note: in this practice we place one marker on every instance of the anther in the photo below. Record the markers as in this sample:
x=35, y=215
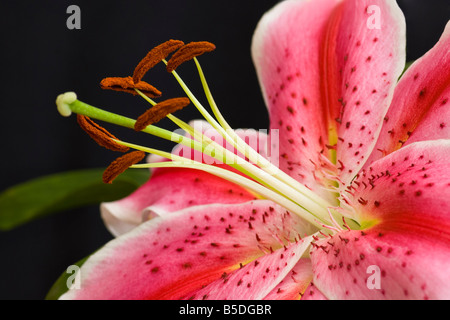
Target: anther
x=121, y=164
x=188, y=52
x=126, y=84
x=159, y=112
x=63, y=101
x=154, y=56
x=100, y=134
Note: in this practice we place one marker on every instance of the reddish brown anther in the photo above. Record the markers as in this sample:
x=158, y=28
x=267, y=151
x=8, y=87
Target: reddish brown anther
x=160, y=111
x=121, y=164
x=188, y=52
x=100, y=134
x=154, y=57
x=126, y=84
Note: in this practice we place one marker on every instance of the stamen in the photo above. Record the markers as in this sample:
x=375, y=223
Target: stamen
x=154, y=56
x=188, y=52
x=126, y=84
x=160, y=111
x=121, y=164
x=100, y=134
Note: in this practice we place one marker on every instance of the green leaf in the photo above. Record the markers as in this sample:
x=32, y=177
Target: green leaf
x=407, y=65
x=58, y=192
x=61, y=286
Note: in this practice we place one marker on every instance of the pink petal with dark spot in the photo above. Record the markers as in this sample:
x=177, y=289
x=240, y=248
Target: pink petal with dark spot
x=361, y=59
x=258, y=278
x=420, y=109
x=294, y=284
x=286, y=52
x=171, y=256
x=312, y=293
x=170, y=190
x=406, y=212
x=322, y=68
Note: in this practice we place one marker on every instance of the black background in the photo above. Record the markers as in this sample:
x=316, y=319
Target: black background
x=41, y=58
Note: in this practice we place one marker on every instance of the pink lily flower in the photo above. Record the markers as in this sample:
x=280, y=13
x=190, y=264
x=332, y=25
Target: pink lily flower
x=360, y=207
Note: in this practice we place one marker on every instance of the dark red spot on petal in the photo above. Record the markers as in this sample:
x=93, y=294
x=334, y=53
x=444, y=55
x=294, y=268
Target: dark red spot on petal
x=155, y=269
x=290, y=109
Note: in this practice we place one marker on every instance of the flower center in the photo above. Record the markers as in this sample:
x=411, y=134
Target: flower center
x=254, y=172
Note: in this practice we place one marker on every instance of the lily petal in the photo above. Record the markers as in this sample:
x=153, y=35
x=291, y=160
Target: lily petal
x=312, y=293
x=333, y=77
x=404, y=210
x=363, y=62
x=409, y=189
x=419, y=108
x=256, y=279
x=169, y=190
x=405, y=266
x=171, y=256
x=285, y=50
x=294, y=284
